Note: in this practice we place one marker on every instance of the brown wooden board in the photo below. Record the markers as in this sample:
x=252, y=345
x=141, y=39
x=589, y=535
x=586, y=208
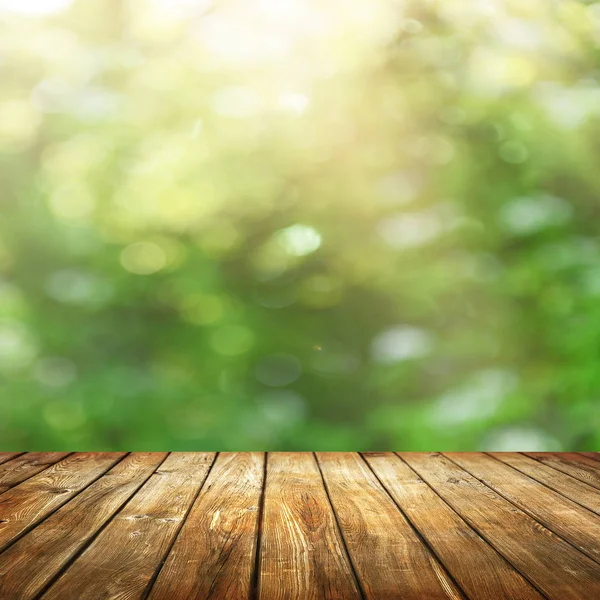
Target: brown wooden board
x=569, y=487
x=389, y=558
x=299, y=526
x=25, y=466
x=567, y=463
x=559, y=514
x=30, y=564
x=122, y=561
x=555, y=567
x=581, y=457
x=214, y=556
x=28, y=503
x=480, y=571
x=302, y=553
x=6, y=456
x=592, y=455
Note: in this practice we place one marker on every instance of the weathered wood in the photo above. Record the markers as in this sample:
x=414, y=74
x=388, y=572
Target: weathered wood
x=122, y=561
x=559, y=514
x=569, y=487
x=31, y=563
x=592, y=455
x=336, y=526
x=214, y=555
x=302, y=555
x=389, y=558
x=568, y=463
x=25, y=505
x=6, y=456
x=555, y=567
x=25, y=466
x=580, y=457
x=480, y=571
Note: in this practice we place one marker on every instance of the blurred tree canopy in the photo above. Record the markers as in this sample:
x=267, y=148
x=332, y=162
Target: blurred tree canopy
x=299, y=224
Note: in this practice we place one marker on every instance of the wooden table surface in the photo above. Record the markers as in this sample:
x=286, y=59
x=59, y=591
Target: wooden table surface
x=410, y=526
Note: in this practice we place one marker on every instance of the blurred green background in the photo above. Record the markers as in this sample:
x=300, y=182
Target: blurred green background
x=299, y=224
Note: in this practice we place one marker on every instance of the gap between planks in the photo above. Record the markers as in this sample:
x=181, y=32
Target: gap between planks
x=553, y=526
x=359, y=584
x=475, y=530
x=71, y=494
x=551, y=478
x=413, y=526
x=256, y=561
x=254, y=593
x=481, y=507
x=161, y=564
x=93, y=537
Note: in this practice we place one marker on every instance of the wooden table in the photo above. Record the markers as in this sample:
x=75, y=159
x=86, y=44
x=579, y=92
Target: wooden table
x=410, y=526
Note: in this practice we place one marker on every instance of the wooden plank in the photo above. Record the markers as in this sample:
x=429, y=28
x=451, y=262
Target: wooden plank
x=25, y=466
x=592, y=455
x=302, y=554
x=555, y=567
x=559, y=514
x=214, y=555
x=581, y=458
x=389, y=558
x=122, y=561
x=480, y=571
x=568, y=486
x=564, y=462
x=6, y=456
x=28, y=503
x=32, y=562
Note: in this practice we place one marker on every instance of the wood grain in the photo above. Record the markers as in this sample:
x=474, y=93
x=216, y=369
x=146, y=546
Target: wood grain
x=25, y=505
x=480, y=571
x=302, y=556
x=580, y=457
x=6, y=456
x=299, y=526
x=556, y=568
x=592, y=455
x=214, y=555
x=559, y=514
x=568, y=463
x=569, y=487
x=25, y=466
x=134, y=543
x=388, y=556
x=32, y=562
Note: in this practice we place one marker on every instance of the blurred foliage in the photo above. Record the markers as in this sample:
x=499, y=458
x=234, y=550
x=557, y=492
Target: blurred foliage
x=295, y=224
